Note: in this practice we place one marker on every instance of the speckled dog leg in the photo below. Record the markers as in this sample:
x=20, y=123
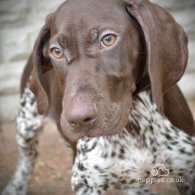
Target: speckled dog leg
x=28, y=124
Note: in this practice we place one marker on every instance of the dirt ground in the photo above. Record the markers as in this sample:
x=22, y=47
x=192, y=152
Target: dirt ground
x=53, y=169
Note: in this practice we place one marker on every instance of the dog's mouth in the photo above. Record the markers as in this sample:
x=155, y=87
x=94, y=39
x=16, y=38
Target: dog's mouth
x=74, y=135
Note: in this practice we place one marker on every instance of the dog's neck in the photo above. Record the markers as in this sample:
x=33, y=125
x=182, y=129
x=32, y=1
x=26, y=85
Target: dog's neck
x=143, y=113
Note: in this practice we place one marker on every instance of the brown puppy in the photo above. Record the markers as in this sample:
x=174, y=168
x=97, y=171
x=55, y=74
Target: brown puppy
x=89, y=61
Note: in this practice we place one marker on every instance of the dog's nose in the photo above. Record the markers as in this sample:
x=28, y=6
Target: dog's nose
x=82, y=112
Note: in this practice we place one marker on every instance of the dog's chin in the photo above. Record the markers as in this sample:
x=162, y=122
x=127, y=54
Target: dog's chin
x=74, y=135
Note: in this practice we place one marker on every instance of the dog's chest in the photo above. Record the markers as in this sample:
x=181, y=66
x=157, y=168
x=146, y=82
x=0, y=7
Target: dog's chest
x=111, y=162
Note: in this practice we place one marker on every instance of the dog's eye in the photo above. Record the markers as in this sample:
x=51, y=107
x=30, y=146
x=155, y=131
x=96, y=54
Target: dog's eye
x=108, y=40
x=56, y=52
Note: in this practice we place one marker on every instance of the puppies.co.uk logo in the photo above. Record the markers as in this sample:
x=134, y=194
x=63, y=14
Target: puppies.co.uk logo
x=160, y=174
x=159, y=170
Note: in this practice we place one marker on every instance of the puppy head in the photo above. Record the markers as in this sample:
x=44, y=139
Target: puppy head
x=98, y=55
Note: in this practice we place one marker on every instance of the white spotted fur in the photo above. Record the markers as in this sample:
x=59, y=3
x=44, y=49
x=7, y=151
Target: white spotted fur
x=139, y=157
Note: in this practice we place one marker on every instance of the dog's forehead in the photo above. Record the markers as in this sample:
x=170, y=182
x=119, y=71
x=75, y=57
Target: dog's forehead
x=90, y=13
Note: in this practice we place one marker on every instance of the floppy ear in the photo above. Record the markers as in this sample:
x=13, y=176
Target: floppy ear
x=41, y=64
x=166, y=47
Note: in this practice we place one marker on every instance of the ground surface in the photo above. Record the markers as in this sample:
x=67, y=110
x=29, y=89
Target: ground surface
x=53, y=169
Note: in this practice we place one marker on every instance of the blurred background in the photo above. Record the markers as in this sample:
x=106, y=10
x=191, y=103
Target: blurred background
x=20, y=22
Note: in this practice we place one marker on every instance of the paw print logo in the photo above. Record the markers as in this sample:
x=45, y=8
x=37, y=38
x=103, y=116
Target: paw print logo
x=159, y=170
